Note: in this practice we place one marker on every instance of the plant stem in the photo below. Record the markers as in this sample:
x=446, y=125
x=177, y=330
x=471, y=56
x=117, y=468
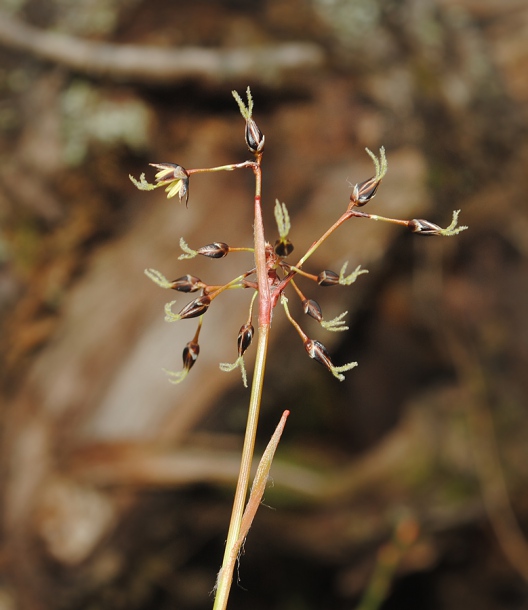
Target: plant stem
x=327, y=233
x=225, y=576
x=220, y=168
x=297, y=268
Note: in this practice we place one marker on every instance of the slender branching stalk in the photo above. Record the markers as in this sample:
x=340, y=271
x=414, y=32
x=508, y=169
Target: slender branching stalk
x=269, y=278
x=225, y=576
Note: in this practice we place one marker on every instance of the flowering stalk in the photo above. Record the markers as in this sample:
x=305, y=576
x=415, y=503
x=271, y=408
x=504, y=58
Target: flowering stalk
x=225, y=576
x=269, y=278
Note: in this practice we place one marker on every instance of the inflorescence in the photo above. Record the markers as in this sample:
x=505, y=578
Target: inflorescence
x=280, y=272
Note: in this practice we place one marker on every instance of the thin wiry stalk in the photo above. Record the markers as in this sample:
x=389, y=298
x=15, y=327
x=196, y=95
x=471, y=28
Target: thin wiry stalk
x=344, y=217
x=225, y=576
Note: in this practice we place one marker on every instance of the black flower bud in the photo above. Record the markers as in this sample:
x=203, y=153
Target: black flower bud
x=283, y=247
x=313, y=309
x=327, y=278
x=190, y=355
x=245, y=336
x=364, y=191
x=187, y=283
x=215, y=250
x=254, y=137
x=195, y=308
x=318, y=352
x=424, y=227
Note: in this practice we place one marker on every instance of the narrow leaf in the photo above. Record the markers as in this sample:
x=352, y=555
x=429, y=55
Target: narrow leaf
x=260, y=481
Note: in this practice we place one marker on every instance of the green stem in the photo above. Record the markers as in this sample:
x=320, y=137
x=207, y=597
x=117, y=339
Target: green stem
x=220, y=168
x=225, y=576
x=394, y=221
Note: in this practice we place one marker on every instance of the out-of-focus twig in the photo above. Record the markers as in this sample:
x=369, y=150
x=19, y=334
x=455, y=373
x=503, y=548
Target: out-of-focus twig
x=389, y=558
x=135, y=63
x=145, y=465
x=486, y=457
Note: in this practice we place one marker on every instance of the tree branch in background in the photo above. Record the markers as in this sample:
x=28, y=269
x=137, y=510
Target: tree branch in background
x=134, y=63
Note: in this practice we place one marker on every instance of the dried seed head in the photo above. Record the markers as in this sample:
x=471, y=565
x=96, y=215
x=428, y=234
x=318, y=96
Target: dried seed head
x=283, y=247
x=187, y=283
x=195, y=308
x=190, y=355
x=254, y=138
x=313, y=309
x=318, y=352
x=424, y=227
x=218, y=249
x=327, y=278
x=245, y=337
x=364, y=191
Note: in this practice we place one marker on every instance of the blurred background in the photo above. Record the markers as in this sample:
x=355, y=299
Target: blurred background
x=402, y=487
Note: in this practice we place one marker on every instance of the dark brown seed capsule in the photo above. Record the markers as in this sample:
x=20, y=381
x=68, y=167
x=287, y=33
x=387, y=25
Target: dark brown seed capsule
x=312, y=308
x=283, y=247
x=254, y=137
x=190, y=355
x=187, y=283
x=365, y=191
x=215, y=250
x=245, y=336
x=195, y=308
x=424, y=227
x=318, y=352
x=327, y=278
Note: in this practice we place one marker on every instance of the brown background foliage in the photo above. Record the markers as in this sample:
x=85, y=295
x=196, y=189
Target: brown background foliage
x=116, y=485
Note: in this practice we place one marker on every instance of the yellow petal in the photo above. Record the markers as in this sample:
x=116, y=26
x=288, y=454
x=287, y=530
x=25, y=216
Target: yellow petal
x=173, y=188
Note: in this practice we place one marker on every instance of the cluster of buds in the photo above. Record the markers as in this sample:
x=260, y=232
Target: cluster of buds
x=198, y=307
x=280, y=273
